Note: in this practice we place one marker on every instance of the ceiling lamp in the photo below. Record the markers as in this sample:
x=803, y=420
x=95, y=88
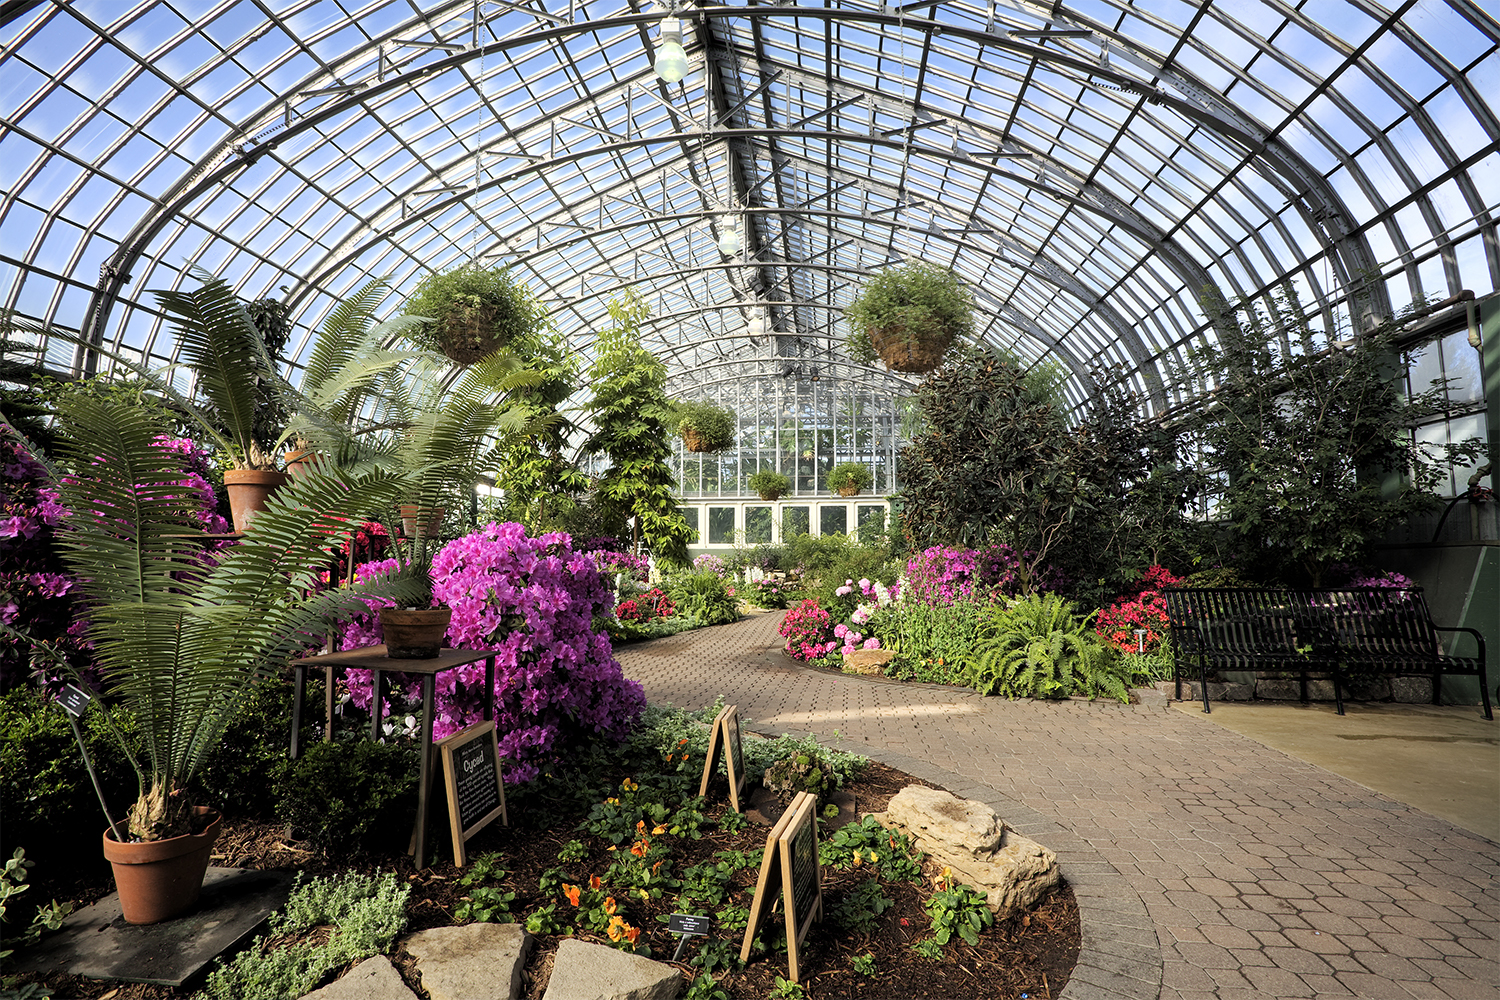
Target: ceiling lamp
x=757, y=325
x=729, y=241
x=671, y=57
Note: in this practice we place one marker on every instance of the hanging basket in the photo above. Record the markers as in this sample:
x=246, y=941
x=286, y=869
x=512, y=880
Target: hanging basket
x=694, y=441
x=848, y=491
x=912, y=354
x=468, y=334
x=770, y=495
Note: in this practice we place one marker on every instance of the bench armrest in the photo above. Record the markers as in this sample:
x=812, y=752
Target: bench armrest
x=1478, y=638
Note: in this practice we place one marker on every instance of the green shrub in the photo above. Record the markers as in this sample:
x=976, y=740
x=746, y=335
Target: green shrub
x=239, y=778
x=474, y=310
x=705, y=596
x=849, y=474
x=768, y=484
x=713, y=425
x=366, y=911
x=1037, y=649
x=350, y=796
x=942, y=637
x=860, y=909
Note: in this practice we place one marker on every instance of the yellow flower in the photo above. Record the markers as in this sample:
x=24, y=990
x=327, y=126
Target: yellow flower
x=629, y=785
x=660, y=828
x=609, y=905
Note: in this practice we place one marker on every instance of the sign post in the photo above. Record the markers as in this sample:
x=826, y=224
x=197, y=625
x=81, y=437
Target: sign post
x=686, y=925
x=791, y=859
x=74, y=702
x=476, y=791
x=726, y=734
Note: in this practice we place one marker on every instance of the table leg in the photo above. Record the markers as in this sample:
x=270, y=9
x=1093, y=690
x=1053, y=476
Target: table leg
x=489, y=689
x=377, y=710
x=299, y=689
x=424, y=773
x=328, y=702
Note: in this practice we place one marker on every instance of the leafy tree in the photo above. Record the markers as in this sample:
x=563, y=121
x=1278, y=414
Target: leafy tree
x=1311, y=434
x=543, y=490
x=995, y=462
x=631, y=417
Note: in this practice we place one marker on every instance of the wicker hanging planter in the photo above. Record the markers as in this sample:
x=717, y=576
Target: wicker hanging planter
x=907, y=352
x=695, y=441
x=468, y=334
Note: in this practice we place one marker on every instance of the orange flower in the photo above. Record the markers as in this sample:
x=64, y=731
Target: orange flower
x=594, y=882
x=640, y=847
x=858, y=860
x=669, y=758
x=609, y=905
x=571, y=891
x=640, y=827
x=682, y=742
x=660, y=828
x=631, y=933
x=616, y=929
x=629, y=785
x=654, y=867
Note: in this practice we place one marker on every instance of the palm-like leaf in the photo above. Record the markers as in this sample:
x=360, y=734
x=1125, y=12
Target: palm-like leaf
x=181, y=643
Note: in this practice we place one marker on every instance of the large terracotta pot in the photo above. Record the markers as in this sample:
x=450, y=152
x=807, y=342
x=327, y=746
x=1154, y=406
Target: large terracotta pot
x=248, y=490
x=414, y=633
x=417, y=522
x=301, y=461
x=161, y=879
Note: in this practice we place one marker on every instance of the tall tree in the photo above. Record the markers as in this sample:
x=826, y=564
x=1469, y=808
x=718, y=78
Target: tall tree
x=631, y=418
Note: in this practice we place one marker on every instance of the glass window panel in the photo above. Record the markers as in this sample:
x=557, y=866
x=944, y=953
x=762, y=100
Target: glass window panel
x=721, y=525
x=833, y=519
x=794, y=521
x=690, y=515
x=1461, y=368
x=757, y=525
x=871, y=521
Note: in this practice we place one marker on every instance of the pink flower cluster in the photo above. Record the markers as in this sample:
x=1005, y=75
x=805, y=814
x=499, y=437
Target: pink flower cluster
x=534, y=601
x=853, y=640
x=944, y=574
x=1117, y=623
x=709, y=563
x=611, y=564
x=808, y=630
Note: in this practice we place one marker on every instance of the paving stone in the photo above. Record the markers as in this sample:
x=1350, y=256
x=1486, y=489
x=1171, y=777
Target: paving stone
x=583, y=971
x=470, y=962
x=373, y=979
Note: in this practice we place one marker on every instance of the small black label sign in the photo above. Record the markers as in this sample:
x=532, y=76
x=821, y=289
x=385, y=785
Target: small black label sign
x=74, y=700
x=686, y=923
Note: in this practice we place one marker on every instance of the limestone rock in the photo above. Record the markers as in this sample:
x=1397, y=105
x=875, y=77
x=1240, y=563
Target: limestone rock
x=466, y=963
x=869, y=662
x=373, y=979
x=582, y=971
x=1012, y=871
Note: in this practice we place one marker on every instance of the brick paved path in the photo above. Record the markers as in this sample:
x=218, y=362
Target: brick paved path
x=1206, y=865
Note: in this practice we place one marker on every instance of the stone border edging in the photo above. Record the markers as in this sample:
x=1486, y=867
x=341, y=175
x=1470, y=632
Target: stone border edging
x=1120, y=956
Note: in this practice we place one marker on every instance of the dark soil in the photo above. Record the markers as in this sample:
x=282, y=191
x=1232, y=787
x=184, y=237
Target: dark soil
x=1031, y=954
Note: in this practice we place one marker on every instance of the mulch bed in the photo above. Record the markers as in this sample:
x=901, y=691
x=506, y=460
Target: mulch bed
x=1028, y=955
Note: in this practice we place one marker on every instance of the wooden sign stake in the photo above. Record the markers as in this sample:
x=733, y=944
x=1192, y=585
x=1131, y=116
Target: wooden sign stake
x=471, y=758
x=791, y=858
x=726, y=733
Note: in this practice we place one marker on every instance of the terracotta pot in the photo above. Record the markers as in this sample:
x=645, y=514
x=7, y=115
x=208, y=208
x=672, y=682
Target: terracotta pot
x=419, y=523
x=770, y=496
x=299, y=462
x=414, y=633
x=912, y=355
x=248, y=490
x=161, y=879
x=848, y=491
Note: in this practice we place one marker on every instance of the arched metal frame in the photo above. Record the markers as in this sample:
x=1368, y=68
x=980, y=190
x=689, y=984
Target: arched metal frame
x=1089, y=168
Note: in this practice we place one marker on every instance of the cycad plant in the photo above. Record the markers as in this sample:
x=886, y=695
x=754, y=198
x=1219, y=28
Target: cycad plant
x=182, y=639
x=1037, y=648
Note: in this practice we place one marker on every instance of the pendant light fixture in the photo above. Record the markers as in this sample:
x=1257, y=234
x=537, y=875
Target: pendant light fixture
x=671, y=58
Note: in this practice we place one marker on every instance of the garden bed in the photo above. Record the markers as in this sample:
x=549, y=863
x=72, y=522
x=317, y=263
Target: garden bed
x=1031, y=954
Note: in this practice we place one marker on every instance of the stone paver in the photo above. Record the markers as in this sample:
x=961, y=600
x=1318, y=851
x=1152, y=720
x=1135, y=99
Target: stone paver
x=583, y=971
x=473, y=962
x=373, y=979
x=1174, y=833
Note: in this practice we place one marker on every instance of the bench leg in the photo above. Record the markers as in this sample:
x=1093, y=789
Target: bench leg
x=1338, y=691
x=1484, y=693
x=1437, y=687
x=1203, y=682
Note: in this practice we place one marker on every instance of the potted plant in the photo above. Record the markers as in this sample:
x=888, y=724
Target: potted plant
x=181, y=642
x=909, y=315
x=471, y=311
x=704, y=427
x=769, y=485
x=848, y=478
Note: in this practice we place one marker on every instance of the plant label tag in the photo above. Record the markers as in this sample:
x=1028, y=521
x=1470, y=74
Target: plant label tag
x=74, y=700
x=688, y=925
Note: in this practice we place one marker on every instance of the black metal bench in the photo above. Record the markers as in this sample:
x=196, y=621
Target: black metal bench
x=1344, y=634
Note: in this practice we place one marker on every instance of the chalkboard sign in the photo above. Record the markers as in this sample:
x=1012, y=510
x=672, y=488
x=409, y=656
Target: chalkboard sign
x=790, y=865
x=725, y=734
x=476, y=792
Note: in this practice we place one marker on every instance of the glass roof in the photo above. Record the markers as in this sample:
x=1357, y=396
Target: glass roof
x=1089, y=166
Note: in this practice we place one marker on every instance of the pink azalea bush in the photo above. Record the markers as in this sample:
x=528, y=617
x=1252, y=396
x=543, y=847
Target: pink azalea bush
x=1147, y=610
x=943, y=574
x=808, y=630
x=534, y=601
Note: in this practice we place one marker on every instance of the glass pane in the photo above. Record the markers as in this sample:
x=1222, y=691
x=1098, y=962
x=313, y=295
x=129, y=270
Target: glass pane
x=833, y=519
x=794, y=522
x=757, y=525
x=690, y=515
x=871, y=521
x=721, y=525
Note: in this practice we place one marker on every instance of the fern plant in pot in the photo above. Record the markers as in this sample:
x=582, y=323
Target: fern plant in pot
x=182, y=641
x=703, y=426
x=769, y=485
x=908, y=316
x=473, y=311
x=848, y=478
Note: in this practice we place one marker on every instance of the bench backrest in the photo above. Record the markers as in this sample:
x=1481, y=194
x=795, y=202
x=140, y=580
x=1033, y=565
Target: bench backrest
x=1373, y=621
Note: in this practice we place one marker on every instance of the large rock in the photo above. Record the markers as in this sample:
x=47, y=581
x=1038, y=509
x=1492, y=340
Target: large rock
x=373, y=979
x=583, y=971
x=471, y=962
x=870, y=662
x=966, y=836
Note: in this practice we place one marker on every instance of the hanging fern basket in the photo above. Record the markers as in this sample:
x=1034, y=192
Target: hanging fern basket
x=912, y=353
x=468, y=334
x=694, y=440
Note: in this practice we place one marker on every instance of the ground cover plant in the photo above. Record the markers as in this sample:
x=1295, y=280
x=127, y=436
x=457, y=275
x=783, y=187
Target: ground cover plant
x=610, y=840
